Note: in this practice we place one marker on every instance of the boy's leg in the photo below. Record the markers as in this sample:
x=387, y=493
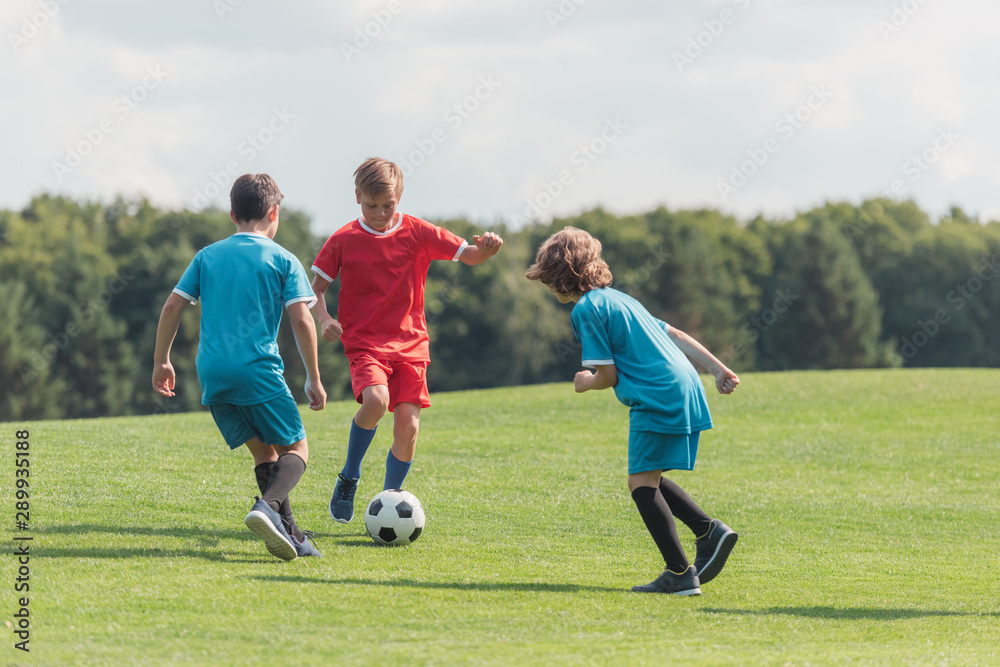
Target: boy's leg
x=406, y=426
x=374, y=403
x=286, y=472
x=264, y=518
x=659, y=520
x=262, y=472
x=679, y=578
x=684, y=508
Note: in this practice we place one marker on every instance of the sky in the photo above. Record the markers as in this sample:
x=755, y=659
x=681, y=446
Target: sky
x=511, y=110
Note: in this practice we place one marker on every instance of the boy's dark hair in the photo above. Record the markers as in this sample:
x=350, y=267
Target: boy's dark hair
x=377, y=176
x=252, y=196
x=570, y=262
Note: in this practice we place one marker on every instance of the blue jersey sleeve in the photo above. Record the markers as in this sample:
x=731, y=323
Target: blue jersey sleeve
x=189, y=286
x=297, y=287
x=592, y=334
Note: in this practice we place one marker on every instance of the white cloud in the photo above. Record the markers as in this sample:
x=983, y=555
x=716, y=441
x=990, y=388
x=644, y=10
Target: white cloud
x=558, y=85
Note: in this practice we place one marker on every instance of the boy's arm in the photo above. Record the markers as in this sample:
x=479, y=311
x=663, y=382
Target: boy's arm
x=604, y=377
x=329, y=327
x=166, y=331
x=304, y=329
x=484, y=247
x=725, y=379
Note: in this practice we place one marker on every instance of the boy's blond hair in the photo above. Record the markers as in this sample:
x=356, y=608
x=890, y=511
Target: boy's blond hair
x=377, y=176
x=570, y=262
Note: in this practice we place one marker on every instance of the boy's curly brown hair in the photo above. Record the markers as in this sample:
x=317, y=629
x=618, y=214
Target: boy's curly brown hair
x=570, y=262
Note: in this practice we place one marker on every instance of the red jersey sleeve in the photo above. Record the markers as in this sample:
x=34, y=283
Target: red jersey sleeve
x=328, y=261
x=438, y=241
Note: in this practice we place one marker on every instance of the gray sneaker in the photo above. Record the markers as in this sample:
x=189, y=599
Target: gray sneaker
x=307, y=547
x=266, y=523
x=685, y=583
x=713, y=550
x=342, y=502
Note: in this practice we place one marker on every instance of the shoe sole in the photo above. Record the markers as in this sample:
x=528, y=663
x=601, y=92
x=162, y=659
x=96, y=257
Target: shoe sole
x=273, y=540
x=690, y=591
x=337, y=518
x=718, y=559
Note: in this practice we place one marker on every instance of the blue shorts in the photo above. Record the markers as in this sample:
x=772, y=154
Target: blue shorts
x=661, y=451
x=276, y=422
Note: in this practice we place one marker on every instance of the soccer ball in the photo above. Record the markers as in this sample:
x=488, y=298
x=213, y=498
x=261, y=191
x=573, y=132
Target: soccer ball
x=394, y=518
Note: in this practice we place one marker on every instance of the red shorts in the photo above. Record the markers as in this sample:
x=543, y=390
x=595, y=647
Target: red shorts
x=407, y=380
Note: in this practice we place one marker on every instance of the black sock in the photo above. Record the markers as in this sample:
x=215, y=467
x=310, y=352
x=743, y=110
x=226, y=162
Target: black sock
x=263, y=474
x=684, y=508
x=660, y=523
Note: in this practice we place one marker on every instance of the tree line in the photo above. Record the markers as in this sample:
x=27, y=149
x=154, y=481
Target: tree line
x=840, y=286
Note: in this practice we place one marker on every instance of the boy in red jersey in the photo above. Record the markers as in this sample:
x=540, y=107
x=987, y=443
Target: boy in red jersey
x=382, y=260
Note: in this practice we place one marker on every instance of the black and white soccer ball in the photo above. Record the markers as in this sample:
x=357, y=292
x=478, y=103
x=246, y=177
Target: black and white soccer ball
x=394, y=518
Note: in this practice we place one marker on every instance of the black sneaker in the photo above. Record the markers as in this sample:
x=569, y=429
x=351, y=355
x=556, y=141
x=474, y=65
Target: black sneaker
x=685, y=583
x=342, y=502
x=713, y=550
x=266, y=523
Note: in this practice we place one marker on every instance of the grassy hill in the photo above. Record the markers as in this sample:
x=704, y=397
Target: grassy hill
x=867, y=504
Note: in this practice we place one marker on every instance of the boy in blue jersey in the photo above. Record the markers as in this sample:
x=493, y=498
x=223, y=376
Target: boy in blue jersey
x=244, y=283
x=644, y=360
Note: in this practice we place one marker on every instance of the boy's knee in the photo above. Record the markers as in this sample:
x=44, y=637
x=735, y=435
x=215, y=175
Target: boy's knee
x=375, y=397
x=300, y=449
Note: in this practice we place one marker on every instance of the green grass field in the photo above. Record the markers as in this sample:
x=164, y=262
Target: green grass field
x=868, y=505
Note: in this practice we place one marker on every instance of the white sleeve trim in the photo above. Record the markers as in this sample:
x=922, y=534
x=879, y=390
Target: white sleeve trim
x=310, y=301
x=461, y=249
x=185, y=295
x=597, y=362
x=319, y=271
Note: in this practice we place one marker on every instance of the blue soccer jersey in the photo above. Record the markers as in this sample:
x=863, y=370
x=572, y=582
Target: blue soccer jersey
x=655, y=379
x=244, y=283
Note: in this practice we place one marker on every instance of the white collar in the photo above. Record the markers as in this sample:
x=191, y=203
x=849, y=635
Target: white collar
x=384, y=232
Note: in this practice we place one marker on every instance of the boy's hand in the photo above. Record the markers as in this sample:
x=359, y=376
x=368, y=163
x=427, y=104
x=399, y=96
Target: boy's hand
x=726, y=381
x=604, y=376
x=316, y=394
x=332, y=330
x=163, y=379
x=489, y=243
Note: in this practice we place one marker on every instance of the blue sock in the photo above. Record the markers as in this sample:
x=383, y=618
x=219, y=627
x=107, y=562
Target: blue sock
x=395, y=472
x=357, y=446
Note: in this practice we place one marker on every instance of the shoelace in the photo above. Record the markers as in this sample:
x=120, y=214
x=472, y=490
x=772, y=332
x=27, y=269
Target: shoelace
x=309, y=536
x=345, y=488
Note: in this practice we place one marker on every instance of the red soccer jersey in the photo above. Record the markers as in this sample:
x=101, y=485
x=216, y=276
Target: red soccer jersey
x=382, y=279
